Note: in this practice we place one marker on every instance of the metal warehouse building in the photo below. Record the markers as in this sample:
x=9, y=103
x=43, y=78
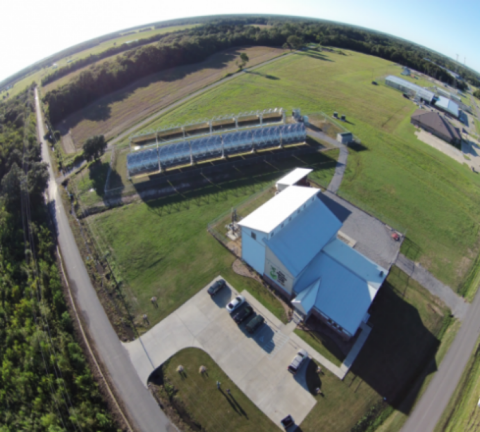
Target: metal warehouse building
x=448, y=106
x=409, y=88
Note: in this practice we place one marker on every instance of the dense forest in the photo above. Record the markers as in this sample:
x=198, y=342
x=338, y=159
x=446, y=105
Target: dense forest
x=45, y=380
x=198, y=43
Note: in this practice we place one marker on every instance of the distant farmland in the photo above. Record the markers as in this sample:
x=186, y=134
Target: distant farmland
x=114, y=113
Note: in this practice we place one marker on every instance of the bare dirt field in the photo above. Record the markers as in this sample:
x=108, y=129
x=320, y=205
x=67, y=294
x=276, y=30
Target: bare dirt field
x=120, y=110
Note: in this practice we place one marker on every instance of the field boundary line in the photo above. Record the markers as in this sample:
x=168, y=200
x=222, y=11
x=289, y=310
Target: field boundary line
x=175, y=104
x=87, y=343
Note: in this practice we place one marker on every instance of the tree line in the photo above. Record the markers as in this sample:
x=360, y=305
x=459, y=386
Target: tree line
x=45, y=381
x=196, y=44
x=93, y=58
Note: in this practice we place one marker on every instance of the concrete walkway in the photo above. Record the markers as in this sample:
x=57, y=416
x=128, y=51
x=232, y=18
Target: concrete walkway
x=341, y=162
x=457, y=304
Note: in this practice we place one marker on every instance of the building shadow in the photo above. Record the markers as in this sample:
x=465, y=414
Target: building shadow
x=463, y=118
x=400, y=352
x=357, y=147
x=341, y=212
x=215, y=181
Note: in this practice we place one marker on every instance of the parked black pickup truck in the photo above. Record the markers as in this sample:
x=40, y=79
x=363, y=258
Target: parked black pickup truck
x=255, y=323
x=243, y=314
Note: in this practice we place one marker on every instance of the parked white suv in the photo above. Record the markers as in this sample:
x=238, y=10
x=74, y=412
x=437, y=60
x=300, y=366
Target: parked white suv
x=235, y=303
x=297, y=361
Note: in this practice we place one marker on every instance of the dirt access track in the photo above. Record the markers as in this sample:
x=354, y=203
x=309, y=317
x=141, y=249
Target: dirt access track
x=116, y=112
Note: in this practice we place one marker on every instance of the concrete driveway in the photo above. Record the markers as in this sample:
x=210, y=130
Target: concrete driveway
x=257, y=364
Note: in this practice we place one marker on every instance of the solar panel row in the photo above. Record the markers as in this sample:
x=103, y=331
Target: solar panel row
x=212, y=147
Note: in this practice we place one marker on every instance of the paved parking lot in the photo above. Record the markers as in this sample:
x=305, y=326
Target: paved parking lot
x=257, y=364
x=370, y=236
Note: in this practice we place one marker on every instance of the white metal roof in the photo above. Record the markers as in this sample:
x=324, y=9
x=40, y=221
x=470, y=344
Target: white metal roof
x=447, y=105
x=303, y=238
x=420, y=91
x=294, y=176
x=271, y=214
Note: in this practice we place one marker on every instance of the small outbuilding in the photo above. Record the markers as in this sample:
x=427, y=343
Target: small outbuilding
x=297, y=177
x=437, y=125
x=345, y=137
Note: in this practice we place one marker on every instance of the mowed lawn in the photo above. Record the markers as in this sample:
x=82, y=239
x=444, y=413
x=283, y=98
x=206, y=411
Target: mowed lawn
x=212, y=409
x=162, y=248
x=114, y=113
x=393, y=175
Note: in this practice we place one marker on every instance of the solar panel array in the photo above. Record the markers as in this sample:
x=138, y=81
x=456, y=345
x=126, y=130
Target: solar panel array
x=213, y=147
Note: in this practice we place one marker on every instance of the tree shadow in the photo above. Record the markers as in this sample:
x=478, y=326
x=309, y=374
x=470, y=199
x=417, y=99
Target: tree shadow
x=314, y=55
x=239, y=407
x=100, y=109
x=97, y=173
x=400, y=352
x=270, y=77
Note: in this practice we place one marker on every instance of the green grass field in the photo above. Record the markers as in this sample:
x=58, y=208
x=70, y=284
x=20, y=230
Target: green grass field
x=162, y=247
x=212, y=409
x=394, y=175
x=114, y=113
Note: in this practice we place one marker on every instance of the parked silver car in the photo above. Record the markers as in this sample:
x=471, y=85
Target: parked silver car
x=301, y=356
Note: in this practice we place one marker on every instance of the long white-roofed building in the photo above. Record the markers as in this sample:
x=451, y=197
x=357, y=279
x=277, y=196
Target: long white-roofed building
x=409, y=88
x=292, y=242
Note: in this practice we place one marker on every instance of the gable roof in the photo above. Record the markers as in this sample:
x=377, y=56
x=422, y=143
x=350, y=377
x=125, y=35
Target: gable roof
x=343, y=283
x=419, y=91
x=304, y=237
x=276, y=210
x=437, y=122
x=447, y=105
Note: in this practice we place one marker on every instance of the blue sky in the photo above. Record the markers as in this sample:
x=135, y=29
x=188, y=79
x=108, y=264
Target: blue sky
x=33, y=29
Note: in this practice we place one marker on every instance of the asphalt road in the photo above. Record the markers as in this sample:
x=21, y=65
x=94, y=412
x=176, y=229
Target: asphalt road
x=140, y=405
x=174, y=105
x=430, y=408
